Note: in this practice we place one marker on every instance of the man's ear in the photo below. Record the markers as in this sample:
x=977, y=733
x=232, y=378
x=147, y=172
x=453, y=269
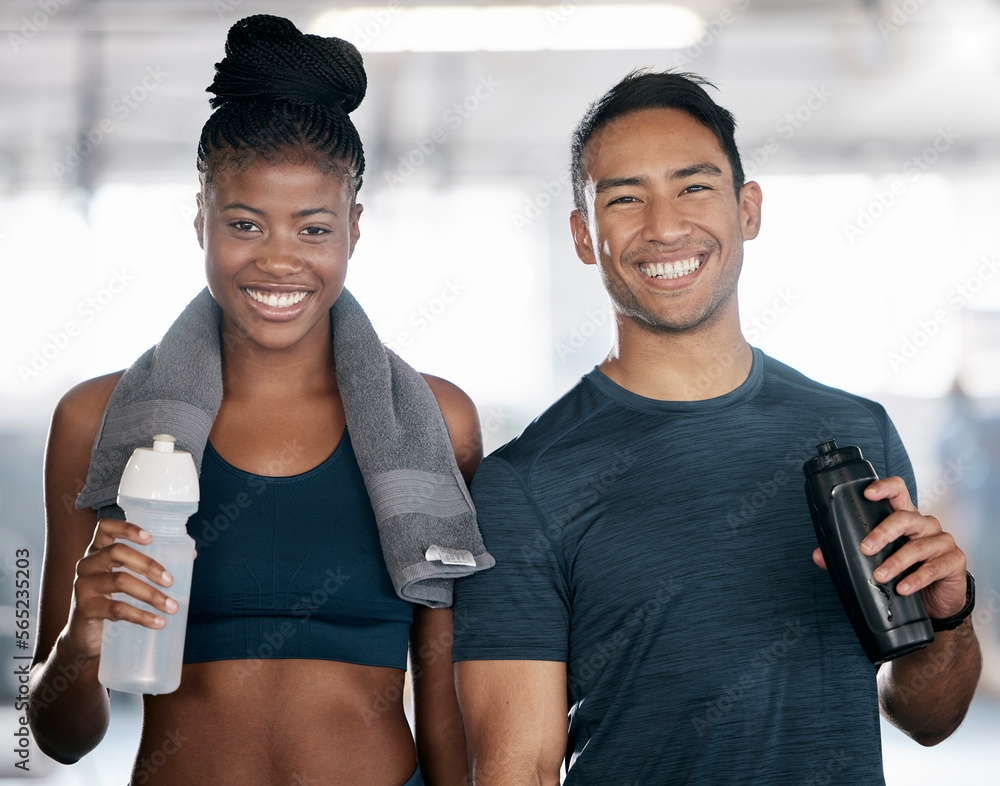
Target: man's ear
x=199, y=220
x=581, y=238
x=751, y=198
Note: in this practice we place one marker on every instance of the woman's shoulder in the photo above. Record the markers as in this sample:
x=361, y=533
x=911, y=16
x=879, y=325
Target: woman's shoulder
x=80, y=409
x=91, y=394
x=75, y=422
x=462, y=419
x=449, y=395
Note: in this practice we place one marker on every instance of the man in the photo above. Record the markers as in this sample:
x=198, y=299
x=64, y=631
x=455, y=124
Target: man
x=652, y=536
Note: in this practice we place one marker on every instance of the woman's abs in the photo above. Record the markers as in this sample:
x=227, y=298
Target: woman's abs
x=277, y=722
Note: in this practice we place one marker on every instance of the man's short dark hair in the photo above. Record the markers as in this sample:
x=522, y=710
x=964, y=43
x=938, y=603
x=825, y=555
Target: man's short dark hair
x=656, y=90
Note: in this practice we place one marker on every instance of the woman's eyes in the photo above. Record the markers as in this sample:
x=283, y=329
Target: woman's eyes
x=243, y=226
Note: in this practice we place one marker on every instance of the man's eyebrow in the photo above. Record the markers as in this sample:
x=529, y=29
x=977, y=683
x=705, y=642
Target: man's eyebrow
x=696, y=169
x=618, y=182
x=310, y=211
x=676, y=174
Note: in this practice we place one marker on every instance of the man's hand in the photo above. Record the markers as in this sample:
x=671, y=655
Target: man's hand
x=926, y=693
x=941, y=577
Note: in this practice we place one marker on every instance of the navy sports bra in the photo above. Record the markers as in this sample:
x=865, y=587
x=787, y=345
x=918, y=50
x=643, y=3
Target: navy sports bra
x=291, y=567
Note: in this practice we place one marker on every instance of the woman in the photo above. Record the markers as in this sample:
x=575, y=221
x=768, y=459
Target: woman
x=296, y=643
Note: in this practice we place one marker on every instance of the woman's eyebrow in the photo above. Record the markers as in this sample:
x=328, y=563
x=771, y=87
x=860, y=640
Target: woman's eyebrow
x=309, y=211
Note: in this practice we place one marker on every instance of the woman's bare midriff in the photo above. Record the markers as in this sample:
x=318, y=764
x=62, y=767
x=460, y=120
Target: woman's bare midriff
x=277, y=723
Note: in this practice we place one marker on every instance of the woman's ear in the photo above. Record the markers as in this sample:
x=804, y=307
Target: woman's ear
x=356, y=210
x=199, y=220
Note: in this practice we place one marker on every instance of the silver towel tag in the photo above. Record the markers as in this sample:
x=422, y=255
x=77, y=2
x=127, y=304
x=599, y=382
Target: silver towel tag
x=450, y=556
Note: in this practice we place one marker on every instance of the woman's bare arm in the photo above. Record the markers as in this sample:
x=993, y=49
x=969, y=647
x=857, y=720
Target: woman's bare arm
x=68, y=708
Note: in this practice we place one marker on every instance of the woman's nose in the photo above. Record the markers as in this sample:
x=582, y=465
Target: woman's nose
x=278, y=257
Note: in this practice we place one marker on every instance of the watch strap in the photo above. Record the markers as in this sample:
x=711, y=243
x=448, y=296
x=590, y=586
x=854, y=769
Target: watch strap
x=952, y=622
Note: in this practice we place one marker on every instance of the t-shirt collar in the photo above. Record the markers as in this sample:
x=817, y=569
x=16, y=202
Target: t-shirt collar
x=746, y=391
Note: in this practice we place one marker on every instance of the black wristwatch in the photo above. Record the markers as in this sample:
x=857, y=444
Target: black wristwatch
x=952, y=622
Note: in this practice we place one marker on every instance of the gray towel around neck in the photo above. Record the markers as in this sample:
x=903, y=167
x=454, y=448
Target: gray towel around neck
x=426, y=519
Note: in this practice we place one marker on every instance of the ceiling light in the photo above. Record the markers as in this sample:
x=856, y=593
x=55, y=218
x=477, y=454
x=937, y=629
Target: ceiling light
x=500, y=28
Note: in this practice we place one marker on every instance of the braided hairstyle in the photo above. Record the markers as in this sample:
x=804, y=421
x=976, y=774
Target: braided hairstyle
x=284, y=95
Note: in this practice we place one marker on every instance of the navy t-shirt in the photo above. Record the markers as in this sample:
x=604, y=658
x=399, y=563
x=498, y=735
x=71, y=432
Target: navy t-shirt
x=662, y=550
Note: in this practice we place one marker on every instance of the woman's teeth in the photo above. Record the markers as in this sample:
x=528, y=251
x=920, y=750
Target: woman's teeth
x=276, y=301
x=672, y=269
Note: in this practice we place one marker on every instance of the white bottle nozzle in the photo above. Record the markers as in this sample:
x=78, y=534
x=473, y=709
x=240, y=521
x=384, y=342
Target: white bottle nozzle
x=160, y=473
x=163, y=443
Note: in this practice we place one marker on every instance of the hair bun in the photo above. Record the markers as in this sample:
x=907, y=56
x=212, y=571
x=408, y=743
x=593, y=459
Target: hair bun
x=269, y=59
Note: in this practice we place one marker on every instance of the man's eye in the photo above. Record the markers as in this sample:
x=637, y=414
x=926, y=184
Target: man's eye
x=697, y=187
x=622, y=200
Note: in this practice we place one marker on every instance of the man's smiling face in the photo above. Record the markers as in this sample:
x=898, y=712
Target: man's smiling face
x=663, y=221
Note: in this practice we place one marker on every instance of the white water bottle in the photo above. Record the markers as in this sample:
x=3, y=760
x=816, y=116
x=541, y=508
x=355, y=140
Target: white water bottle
x=158, y=491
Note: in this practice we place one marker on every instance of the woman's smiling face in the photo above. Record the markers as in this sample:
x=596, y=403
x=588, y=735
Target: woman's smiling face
x=277, y=238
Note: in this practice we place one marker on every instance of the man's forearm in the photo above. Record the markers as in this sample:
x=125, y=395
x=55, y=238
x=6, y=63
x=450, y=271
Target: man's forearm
x=926, y=694
x=499, y=768
x=515, y=720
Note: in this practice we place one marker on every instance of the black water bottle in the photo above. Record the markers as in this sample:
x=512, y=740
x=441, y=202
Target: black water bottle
x=888, y=624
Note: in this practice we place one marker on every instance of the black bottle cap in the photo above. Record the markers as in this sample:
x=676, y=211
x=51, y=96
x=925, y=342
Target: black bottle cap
x=831, y=456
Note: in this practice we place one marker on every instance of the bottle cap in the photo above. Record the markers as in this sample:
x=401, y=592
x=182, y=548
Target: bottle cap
x=831, y=456
x=163, y=443
x=160, y=473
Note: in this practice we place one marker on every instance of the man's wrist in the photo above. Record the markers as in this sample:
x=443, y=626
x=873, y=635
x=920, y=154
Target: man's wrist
x=952, y=622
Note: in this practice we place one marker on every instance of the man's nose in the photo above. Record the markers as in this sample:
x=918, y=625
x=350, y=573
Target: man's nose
x=665, y=222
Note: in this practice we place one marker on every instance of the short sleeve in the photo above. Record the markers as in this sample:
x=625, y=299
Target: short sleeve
x=519, y=608
x=898, y=461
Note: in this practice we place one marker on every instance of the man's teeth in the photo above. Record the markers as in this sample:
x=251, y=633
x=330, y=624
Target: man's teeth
x=672, y=269
x=276, y=301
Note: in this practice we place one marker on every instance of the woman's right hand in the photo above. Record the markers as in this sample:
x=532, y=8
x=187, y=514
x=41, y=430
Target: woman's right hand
x=99, y=576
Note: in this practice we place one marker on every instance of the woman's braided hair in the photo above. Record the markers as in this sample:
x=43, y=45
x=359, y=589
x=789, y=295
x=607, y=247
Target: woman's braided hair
x=284, y=95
